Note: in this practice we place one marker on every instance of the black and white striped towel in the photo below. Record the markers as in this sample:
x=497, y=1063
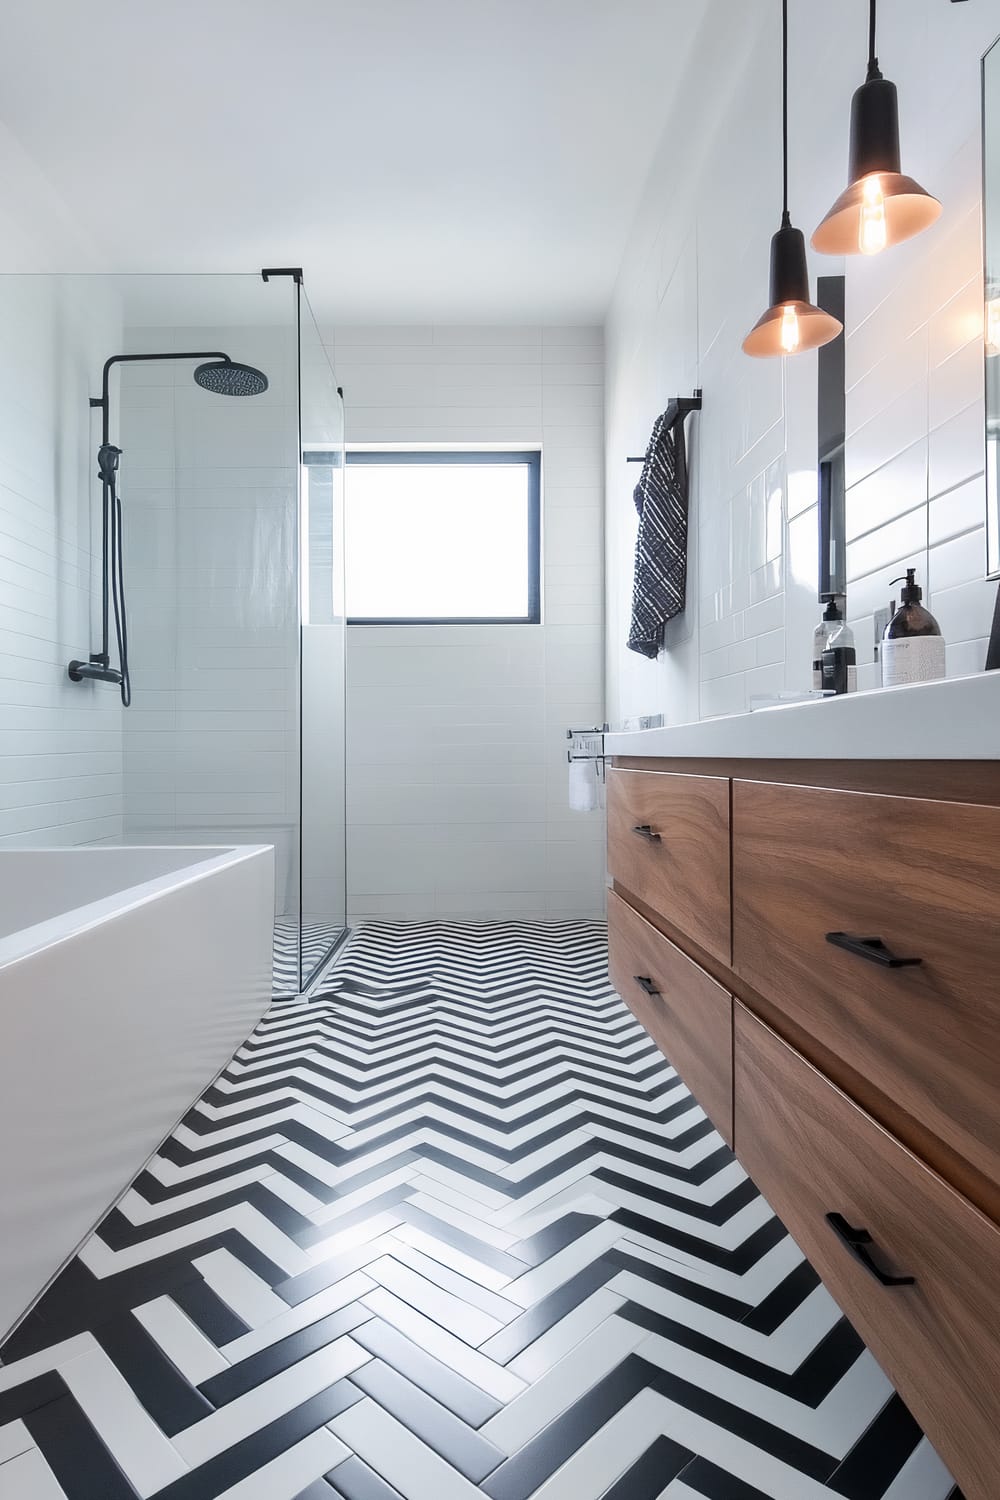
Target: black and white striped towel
x=661, y=499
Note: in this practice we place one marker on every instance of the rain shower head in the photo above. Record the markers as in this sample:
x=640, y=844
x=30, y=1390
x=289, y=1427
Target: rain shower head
x=218, y=373
x=227, y=378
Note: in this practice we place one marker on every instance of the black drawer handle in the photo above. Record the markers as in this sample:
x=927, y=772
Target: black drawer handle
x=871, y=948
x=645, y=984
x=857, y=1242
x=645, y=831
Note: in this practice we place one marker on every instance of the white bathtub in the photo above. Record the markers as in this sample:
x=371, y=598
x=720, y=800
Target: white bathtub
x=128, y=977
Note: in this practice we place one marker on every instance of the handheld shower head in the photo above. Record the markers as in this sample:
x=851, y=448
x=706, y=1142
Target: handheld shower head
x=107, y=461
x=227, y=378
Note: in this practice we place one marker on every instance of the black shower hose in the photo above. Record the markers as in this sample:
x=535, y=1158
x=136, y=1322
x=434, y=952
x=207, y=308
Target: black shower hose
x=117, y=572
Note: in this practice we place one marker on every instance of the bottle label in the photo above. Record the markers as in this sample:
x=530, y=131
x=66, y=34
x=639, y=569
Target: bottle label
x=840, y=674
x=915, y=658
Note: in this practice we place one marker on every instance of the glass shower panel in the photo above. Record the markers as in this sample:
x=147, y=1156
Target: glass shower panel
x=209, y=484
x=323, y=769
x=227, y=497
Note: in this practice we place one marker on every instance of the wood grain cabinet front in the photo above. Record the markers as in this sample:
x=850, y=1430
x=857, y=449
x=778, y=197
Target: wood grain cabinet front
x=873, y=924
x=668, y=844
x=686, y=1013
x=912, y=1263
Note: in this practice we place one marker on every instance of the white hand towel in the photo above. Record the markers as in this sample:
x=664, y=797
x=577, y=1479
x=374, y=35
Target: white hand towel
x=583, y=785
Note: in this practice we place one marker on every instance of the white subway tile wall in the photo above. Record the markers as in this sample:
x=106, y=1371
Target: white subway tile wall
x=60, y=742
x=456, y=756
x=693, y=281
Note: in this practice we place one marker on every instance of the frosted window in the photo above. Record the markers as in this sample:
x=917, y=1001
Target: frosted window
x=442, y=536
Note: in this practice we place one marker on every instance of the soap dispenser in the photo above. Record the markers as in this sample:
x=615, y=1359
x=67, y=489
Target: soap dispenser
x=839, y=659
x=820, y=637
x=912, y=645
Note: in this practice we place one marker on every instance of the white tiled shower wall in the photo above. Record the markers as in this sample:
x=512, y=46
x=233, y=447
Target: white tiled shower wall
x=211, y=742
x=693, y=282
x=457, y=799
x=60, y=742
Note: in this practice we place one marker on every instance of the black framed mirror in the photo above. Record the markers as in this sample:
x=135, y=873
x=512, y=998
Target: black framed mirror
x=831, y=428
x=991, y=277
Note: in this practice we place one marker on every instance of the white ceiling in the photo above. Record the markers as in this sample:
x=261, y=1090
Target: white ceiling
x=421, y=159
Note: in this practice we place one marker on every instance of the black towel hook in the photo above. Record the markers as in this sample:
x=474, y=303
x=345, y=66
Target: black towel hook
x=677, y=409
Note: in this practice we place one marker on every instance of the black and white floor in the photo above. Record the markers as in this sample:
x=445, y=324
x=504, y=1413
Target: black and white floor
x=451, y=1228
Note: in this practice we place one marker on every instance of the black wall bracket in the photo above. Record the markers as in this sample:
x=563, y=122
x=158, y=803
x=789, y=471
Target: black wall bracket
x=677, y=409
x=295, y=272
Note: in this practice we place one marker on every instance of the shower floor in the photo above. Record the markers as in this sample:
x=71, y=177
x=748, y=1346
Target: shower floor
x=450, y=1228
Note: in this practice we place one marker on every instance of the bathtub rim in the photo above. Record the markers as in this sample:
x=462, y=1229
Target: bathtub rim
x=40, y=936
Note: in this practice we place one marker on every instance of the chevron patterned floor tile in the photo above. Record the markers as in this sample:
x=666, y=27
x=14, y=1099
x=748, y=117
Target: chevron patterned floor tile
x=449, y=1228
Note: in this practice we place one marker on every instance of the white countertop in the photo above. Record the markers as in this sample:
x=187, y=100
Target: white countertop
x=957, y=719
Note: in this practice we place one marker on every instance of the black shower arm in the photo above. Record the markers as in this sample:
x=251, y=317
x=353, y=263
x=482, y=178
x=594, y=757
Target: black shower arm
x=130, y=359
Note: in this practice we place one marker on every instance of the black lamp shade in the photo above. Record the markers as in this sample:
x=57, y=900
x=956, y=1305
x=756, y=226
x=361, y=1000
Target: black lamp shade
x=789, y=272
x=874, y=129
x=895, y=205
x=791, y=324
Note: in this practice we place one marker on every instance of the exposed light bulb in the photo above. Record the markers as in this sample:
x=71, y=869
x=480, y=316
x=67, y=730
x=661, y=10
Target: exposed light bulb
x=873, y=234
x=993, y=327
x=790, y=337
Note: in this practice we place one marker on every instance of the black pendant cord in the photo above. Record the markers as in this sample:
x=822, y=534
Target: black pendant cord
x=785, y=219
x=873, y=67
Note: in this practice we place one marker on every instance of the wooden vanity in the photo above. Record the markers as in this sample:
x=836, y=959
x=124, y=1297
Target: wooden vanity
x=815, y=946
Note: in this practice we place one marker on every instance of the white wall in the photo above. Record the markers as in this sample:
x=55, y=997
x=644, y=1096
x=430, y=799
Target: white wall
x=324, y=835
x=693, y=282
x=60, y=742
x=457, y=801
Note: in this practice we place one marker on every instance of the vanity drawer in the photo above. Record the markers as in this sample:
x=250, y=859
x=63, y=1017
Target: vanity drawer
x=812, y=1152
x=922, y=876
x=668, y=844
x=688, y=1015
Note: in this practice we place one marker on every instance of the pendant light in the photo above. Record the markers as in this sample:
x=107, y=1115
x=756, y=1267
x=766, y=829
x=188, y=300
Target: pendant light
x=880, y=206
x=791, y=324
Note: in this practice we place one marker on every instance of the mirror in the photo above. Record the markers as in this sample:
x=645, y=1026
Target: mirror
x=831, y=430
x=991, y=245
